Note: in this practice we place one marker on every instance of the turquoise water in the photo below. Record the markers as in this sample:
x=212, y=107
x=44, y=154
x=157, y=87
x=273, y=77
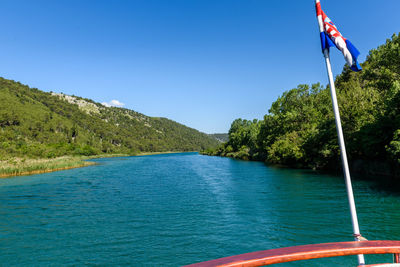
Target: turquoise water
x=176, y=209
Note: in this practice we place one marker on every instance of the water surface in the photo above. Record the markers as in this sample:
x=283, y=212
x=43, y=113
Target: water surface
x=176, y=209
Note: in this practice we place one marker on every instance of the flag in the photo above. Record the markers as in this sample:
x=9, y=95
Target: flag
x=330, y=36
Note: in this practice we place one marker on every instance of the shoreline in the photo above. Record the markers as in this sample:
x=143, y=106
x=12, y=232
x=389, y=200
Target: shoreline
x=22, y=167
x=8, y=175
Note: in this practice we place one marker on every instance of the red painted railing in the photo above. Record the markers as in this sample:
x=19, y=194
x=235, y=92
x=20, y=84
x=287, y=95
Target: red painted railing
x=307, y=252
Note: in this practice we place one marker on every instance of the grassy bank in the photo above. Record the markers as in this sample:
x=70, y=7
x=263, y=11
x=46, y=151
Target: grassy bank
x=25, y=166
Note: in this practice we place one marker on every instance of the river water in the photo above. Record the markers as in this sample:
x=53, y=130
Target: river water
x=176, y=209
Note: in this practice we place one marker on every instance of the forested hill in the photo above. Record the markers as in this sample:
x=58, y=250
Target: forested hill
x=299, y=129
x=34, y=123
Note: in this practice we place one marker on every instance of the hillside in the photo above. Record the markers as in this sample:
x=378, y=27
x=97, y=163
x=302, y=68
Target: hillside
x=299, y=129
x=38, y=124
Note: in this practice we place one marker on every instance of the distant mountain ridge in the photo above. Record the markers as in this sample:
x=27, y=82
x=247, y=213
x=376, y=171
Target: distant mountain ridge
x=221, y=137
x=40, y=124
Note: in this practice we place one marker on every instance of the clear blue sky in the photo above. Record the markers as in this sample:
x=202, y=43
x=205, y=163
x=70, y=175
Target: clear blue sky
x=202, y=63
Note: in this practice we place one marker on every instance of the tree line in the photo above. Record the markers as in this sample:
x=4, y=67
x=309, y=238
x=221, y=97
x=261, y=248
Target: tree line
x=299, y=128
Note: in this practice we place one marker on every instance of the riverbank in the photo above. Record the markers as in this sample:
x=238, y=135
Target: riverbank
x=25, y=166
x=384, y=175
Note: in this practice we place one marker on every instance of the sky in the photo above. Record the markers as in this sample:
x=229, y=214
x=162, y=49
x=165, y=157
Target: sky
x=202, y=63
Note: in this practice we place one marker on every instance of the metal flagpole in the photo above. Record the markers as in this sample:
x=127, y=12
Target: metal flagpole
x=346, y=172
x=350, y=196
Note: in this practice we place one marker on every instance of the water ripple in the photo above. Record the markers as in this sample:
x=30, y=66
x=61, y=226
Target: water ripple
x=170, y=210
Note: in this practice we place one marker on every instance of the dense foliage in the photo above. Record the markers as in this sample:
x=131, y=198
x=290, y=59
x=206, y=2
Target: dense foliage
x=34, y=123
x=299, y=129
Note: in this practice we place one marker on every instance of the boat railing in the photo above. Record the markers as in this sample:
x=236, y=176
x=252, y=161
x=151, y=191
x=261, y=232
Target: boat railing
x=307, y=252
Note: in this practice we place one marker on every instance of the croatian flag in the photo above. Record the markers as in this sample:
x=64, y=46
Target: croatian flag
x=330, y=36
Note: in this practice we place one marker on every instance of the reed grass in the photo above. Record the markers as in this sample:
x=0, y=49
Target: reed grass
x=25, y=166
x=15, y=166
